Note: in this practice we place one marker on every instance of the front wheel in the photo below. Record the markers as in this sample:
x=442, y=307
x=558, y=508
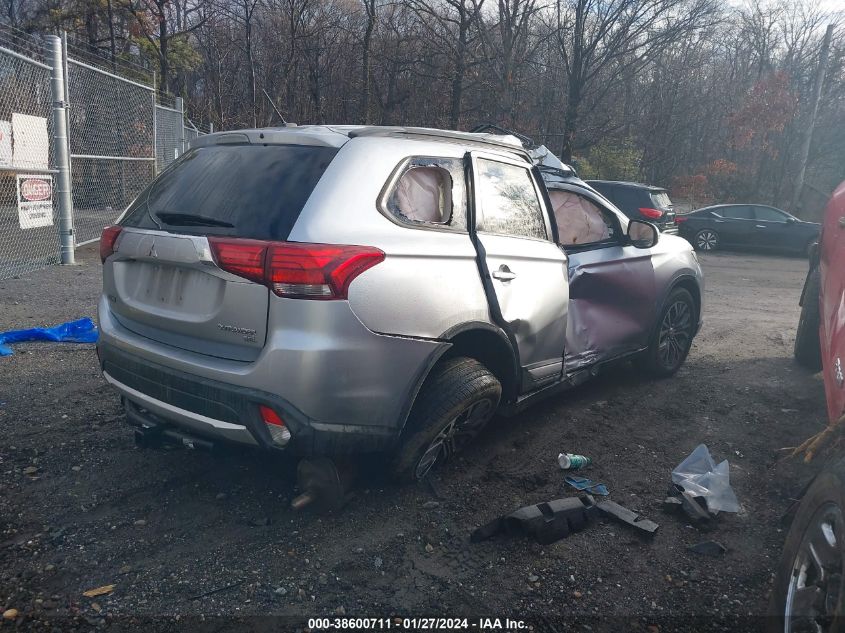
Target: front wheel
x=455, y=403
x=672, y=337
x=706, y=240
x=809, y=592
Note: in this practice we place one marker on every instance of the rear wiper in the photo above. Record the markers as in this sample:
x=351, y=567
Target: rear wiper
x=190, y=219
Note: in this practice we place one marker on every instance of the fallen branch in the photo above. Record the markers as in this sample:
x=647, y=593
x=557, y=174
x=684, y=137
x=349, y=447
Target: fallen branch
x=218, y=590
x=815, y=444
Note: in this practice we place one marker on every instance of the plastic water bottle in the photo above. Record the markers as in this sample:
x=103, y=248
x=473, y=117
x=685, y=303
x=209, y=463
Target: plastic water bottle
x=571, y=461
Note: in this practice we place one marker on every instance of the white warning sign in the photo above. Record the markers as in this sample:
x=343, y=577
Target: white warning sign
x=35, y=201
x=5, y=143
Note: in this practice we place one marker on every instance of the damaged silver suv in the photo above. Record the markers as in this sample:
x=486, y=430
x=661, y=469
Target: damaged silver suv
x=332, y=290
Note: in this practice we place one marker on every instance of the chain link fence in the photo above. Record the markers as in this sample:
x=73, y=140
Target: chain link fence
x=169, y=142
x=28, y=232
x=120, y=134
x=112, y=139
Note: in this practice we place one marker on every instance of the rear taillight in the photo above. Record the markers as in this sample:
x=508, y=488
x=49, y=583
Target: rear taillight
x=244, y=258
x=296, y=270
x=107, y=240
x=680, y=218
x=651, y=213
x=279, y=432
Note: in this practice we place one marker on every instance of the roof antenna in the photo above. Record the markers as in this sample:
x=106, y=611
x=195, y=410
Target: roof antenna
x=279, y=114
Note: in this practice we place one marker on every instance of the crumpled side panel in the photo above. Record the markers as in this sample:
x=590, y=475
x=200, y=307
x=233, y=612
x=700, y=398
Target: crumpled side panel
x=611, y=305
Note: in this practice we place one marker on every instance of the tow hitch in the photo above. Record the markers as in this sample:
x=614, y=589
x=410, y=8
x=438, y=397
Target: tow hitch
x=156, y=436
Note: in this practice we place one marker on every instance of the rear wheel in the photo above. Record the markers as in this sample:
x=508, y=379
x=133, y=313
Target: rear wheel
x=807, y=345
x=706, y=240
x=808, y=591
x=455, y=403
x=672, y=337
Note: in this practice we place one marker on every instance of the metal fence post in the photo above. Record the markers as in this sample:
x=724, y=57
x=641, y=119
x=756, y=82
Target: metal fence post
x=155, y=127
x=180, y=106
x=64, y=198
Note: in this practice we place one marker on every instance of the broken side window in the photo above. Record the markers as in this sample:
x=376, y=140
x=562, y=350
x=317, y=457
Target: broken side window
x=430, y=191
x=580, y=221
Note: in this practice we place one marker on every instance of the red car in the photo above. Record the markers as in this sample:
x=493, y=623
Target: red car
x=809, y=590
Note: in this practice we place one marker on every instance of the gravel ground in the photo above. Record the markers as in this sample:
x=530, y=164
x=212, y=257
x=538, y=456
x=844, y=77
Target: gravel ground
x=188, y=537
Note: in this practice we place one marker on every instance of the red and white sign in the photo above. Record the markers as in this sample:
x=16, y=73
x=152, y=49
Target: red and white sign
x=36, y=189
x=35, y=201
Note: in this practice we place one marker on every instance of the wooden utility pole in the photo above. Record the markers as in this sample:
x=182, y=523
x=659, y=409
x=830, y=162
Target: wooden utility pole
x=804, y=154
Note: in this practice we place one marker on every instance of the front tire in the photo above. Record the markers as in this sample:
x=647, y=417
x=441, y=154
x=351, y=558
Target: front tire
x=706, y=240
x=672, y=337
x=807, y=351
x=455, y=403
x=809, y=592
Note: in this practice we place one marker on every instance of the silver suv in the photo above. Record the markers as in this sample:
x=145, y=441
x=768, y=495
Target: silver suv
x=341, y=290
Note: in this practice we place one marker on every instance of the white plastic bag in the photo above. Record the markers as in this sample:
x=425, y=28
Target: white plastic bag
x=699, y=475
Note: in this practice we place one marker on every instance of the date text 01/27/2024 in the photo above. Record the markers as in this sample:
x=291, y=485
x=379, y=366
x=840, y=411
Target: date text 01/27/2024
x=417, y=624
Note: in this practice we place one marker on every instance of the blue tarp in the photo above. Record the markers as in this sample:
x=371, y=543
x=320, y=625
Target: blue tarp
x=80, y=331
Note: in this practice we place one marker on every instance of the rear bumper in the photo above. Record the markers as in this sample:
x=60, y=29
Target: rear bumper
x=339, y=387
x=161, y=397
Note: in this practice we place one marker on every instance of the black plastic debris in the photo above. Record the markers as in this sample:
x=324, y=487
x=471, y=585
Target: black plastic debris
x=708, y=548
x=615, y=511
x=545, y=522
x=694, y=507
x=553, y=520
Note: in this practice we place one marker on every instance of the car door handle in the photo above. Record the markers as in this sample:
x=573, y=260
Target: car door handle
x=719, y=221
x=760, y=226
x=504, y=273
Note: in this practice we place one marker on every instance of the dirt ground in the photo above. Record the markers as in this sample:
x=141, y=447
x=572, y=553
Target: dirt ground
x=191, y=540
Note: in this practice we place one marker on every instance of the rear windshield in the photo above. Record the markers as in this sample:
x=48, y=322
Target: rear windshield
x=661, y=199
x=253, y=191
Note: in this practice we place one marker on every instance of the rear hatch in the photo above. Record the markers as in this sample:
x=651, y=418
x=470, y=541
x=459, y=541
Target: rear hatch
x=163, y=282
x=660, y=200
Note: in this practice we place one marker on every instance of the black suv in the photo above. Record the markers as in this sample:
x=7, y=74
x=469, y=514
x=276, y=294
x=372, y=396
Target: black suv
x=638, y=201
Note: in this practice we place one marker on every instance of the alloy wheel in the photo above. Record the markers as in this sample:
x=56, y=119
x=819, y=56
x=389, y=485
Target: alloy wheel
x=815, y=588
x=455, y=435
x=706, y=240
x=675, y=335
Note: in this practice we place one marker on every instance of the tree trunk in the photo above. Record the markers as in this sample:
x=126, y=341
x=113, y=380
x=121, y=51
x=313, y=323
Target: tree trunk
x=456, y=95
x=804, y=154
x=570, y=121
x=164, y=50
x=112, y=46
x=370, y=7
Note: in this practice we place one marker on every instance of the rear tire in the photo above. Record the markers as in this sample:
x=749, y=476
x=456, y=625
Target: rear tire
x=706, y=240
x=808, y=584
x=807, y=351
x=672, y=337
x=457, y=400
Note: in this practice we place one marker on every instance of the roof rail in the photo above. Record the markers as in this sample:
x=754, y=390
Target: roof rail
x=513, y=143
